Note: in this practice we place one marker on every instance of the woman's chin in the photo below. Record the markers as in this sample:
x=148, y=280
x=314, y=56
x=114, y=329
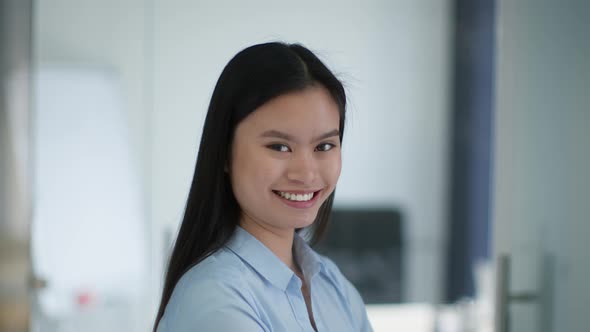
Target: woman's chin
x=301, y=222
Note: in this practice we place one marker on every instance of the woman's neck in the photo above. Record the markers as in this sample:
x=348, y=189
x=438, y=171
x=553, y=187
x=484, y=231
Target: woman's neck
x=278, y=240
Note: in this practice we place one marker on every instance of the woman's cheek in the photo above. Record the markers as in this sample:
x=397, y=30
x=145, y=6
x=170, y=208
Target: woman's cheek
x=331, y=169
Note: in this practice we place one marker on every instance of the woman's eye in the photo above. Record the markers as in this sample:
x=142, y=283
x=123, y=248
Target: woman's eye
x=279, y=147
x=325, y=147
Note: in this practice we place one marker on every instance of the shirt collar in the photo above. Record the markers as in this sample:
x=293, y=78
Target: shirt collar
x=267, y=264
x=308, y=259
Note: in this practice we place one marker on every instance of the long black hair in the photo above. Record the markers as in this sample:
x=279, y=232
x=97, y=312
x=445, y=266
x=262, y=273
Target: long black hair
x=251, y=78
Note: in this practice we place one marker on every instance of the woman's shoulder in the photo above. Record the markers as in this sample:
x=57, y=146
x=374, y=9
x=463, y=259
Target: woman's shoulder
x=219, y=276
x=221, y=266
x=211, y=287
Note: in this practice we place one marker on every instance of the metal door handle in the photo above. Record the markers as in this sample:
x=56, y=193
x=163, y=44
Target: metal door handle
x=502, y=289
x=504, y=297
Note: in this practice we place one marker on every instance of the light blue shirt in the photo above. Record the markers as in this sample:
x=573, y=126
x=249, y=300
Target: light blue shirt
x=245, y=287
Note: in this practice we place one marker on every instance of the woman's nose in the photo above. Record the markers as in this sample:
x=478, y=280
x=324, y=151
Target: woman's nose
x=302, y=168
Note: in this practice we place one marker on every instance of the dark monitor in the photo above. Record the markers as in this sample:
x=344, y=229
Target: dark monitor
x=366, y=244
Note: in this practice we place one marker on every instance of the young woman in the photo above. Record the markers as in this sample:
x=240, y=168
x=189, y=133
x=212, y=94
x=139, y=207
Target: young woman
x=268, y=164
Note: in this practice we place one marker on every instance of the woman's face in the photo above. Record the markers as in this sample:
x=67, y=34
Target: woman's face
x=285, y=159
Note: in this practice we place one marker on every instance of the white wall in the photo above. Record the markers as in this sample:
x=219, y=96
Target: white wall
x=109, y=35
x=542, y=183
x=394, y=57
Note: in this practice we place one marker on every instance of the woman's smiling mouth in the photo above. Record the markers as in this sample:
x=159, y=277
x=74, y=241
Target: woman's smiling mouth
x=299, y=200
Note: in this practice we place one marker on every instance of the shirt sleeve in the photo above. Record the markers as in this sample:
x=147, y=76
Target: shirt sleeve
x=209, y=305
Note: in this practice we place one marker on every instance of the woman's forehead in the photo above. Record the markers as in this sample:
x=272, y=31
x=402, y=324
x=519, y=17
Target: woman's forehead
x=312, y=108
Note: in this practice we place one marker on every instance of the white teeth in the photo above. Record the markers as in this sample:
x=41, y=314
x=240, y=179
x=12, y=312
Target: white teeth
x=296, y=197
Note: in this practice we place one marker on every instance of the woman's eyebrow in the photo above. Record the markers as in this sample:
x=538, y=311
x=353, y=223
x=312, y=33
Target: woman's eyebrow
x=285, y=136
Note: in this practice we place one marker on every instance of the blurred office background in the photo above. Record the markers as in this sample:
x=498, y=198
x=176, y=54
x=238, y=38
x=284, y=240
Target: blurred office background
x=462, y=204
